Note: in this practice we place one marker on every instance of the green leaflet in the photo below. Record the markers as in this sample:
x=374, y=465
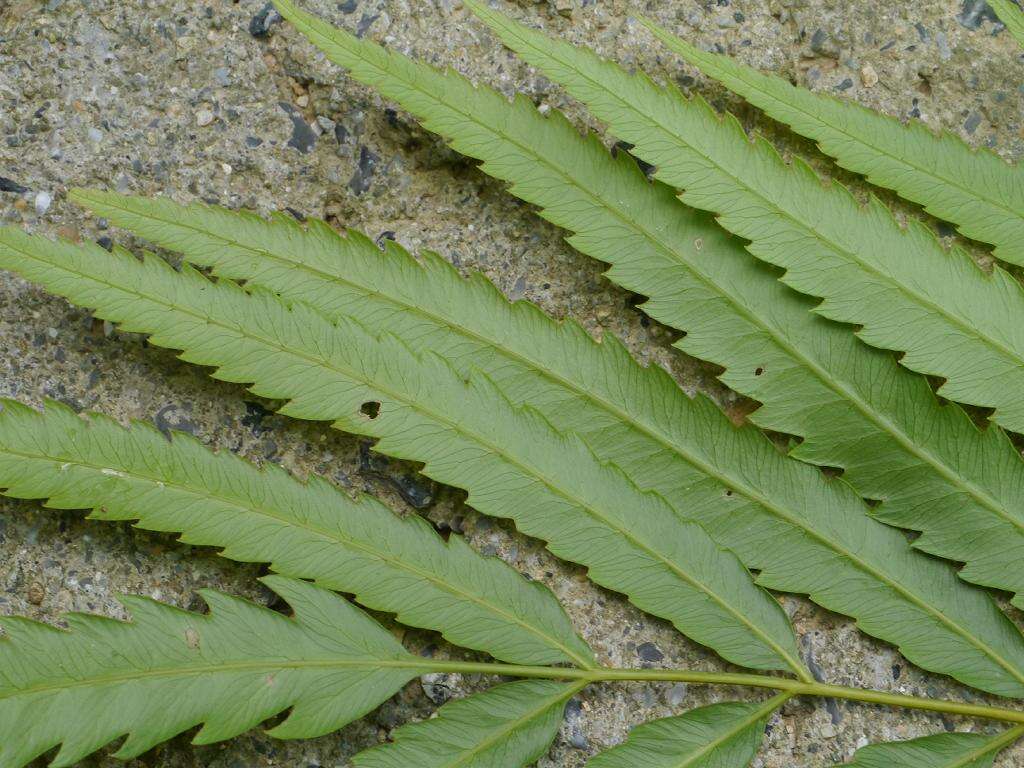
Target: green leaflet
x=856, y=409
x=305, y=530
x=512, y=462
x=947, y=750
x=508, y=726
x=1012, y=16
x=717, y=736
x=168, y=670
x=976, y=190
x=882, y=410
x=906, y=291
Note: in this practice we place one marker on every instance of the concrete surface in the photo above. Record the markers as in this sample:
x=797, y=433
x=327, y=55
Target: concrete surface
x=181, y=98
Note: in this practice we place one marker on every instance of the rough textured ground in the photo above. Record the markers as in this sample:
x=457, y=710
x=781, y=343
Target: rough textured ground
x=180, y=98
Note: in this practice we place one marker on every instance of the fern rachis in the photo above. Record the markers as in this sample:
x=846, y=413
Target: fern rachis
x=331, y=663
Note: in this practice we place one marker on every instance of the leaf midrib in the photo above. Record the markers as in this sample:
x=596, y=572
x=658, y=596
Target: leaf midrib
x=963, y=325
x=455, y=427
x=741, y=725
x=468, y=757
x=239, y=666
x=886, y=424
x=1005, y=739
x=329, y=536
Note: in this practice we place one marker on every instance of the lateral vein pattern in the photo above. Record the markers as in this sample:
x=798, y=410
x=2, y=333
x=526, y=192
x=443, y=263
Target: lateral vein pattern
x=789, y=519
x=169, y=670
x=974, y=189
x=512, y=462
x=304, y=530
x=908, y=293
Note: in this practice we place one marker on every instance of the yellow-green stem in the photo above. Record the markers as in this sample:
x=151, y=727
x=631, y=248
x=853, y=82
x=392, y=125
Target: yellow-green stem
x=788, y=685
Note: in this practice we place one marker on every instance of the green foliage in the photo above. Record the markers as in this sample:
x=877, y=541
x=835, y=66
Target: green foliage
x=1012, y=16
x=511, y=461
x=908, y=293
x=947, y=750
x=169, y=670
x=658, y=495
x=854, y=406
x=975, y=190
x=806, y=532
x=508, y=726
x=515, y=465
x=304, y=530
x=716, y=736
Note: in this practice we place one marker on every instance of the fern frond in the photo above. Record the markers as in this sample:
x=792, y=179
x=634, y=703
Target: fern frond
x=853, y=405
x=515, y=465
x=932, y=467
x=304, y=530
x=935, y=471
x=947, y=750
x=507, y=726
x=975, y=190
x=1012, y=16
x=169, y=670
x=717, y=736
x=512, y=462
x=900, y=285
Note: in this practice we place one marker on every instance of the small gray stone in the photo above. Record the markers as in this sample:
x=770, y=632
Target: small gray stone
x=303, y=137
x=360, y=181
x=649, y=652
x=42, y=202
x=438, y=687
x=260, y=24
x=974, y=12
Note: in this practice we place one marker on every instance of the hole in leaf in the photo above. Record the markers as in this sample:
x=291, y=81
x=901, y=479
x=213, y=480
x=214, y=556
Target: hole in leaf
x=370, y=409
x=758, y=371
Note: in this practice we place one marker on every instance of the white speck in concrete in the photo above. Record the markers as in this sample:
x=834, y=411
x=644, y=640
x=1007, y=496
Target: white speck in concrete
x=43, y=200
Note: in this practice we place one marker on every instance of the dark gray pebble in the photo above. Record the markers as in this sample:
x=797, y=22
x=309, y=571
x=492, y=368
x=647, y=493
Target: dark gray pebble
x=9, y=185
x=260, y=24
x=360, y=181
x=649, y=652
x=974, y=13
x=303, y=138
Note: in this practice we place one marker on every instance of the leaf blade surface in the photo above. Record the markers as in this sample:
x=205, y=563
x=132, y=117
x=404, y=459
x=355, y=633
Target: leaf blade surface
x=305, y=530
x=508, y=726
x=905, y=291
x=723, y=735
x=511, y=460
x=169, y=670
x=947, y=750
x=974, y=189
x=854, y=406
